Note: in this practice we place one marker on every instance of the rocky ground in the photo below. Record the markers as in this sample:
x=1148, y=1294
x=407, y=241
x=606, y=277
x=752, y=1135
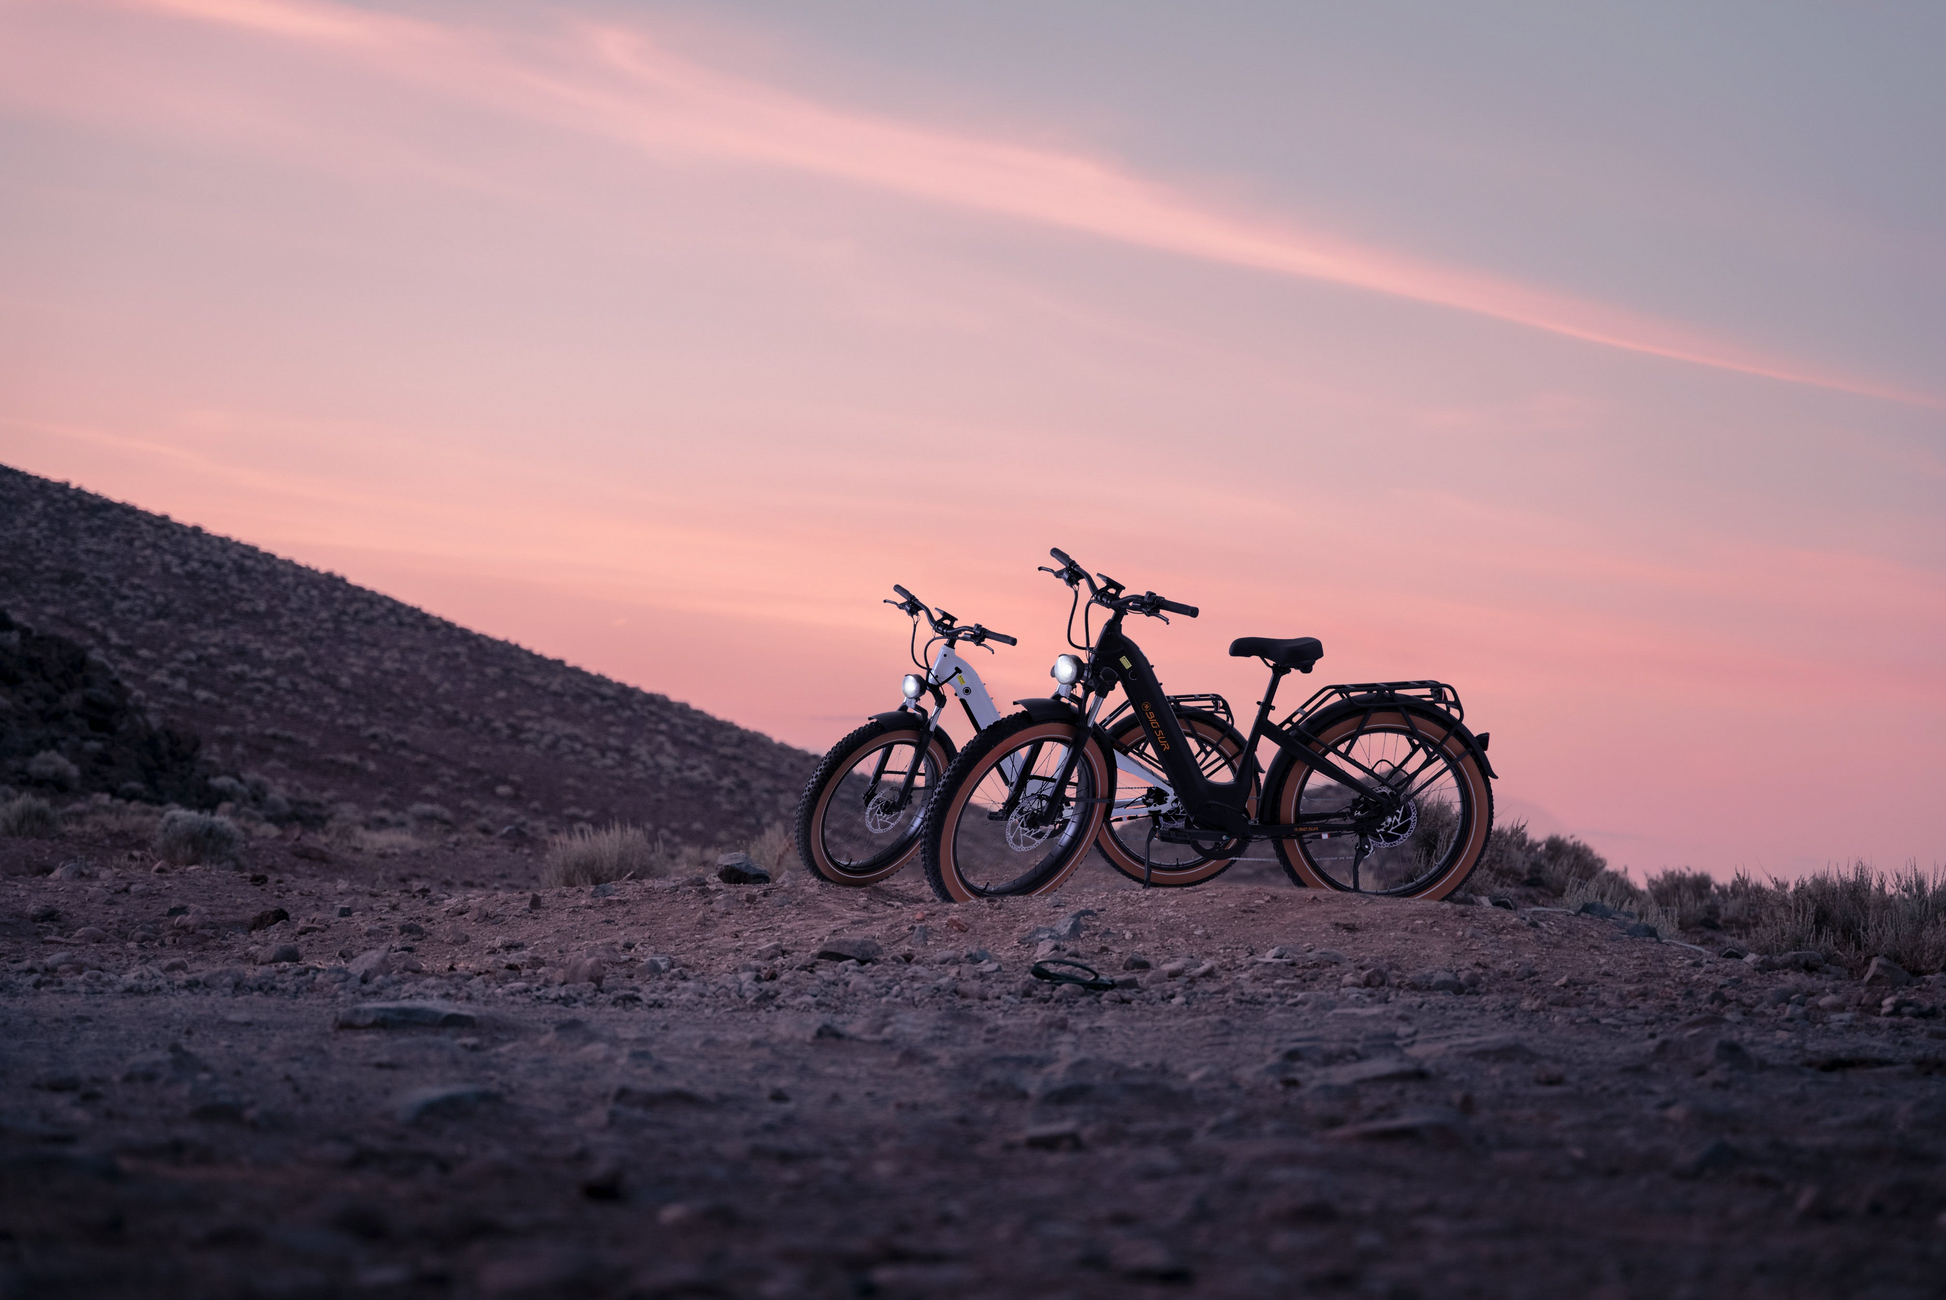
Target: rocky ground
x=413, y=1073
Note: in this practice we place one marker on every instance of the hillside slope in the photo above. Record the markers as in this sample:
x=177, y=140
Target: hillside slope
x=335, y=700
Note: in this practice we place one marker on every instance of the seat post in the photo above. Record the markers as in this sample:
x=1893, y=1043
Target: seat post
x=1277, y=672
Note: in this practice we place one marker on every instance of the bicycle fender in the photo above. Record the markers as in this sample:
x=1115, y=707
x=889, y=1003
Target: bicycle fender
x=1045, y=708
x=1427, y=711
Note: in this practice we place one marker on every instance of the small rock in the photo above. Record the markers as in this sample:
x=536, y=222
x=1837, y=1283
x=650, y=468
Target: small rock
x=310, y=853
x=1642, y=930
x=739, y=869
x=452, y=1101
x=412, y=930
x=1600, y=911
x=1436, y=981
x=1882, y=972
x=283, y=952
x=368, y=966
x=267, y=918
x=1053, y=1137
x=90, y=934
x=1447, y=1128
x=857, y=948
x=587, y=970
x=1134, y=962
x=406, y=1015
x=1714, y=1158
x=1353, y=1073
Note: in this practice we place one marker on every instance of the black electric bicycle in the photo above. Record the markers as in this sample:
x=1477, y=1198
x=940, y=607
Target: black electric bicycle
x=1376, y=787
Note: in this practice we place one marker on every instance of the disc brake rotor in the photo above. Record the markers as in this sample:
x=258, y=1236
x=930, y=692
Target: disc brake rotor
x=883, y=813
x=1026, y=828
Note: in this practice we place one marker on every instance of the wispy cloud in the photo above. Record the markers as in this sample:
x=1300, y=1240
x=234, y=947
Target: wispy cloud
x=619, y=84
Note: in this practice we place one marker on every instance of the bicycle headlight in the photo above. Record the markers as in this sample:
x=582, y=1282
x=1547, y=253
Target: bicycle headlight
x=1066, y=670
x=914, y=686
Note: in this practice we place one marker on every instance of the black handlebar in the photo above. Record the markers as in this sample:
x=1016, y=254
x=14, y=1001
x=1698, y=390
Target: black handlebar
x=943, y=623
x=1063, y=557
x=1187, y=611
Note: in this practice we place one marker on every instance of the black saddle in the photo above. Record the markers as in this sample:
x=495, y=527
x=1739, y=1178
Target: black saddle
x=1300, y=652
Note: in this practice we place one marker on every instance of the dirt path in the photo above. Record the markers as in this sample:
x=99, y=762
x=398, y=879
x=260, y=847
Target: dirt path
x=1299, y=1094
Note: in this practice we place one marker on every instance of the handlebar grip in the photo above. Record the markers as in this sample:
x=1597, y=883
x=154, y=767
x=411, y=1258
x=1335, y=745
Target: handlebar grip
x=1002, y=638
x=906, y=594
x=1187, y=611
x=1060, y=555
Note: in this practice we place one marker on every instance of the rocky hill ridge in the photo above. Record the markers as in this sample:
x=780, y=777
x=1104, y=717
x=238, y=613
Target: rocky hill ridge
x=339, y=701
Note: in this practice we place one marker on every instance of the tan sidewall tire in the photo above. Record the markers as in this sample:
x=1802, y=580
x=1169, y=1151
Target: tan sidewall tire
x=1448, y=739
x=1120, y=859
x=822, y=865
x=1091, y=754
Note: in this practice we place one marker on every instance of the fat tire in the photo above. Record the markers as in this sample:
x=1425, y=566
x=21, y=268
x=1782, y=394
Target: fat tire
x=814, y=804
x=962, y=779
x=1283, y=785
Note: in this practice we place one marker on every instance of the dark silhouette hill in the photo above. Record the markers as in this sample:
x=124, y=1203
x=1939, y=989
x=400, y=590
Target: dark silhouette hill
x=68, y=723
x=316, y=698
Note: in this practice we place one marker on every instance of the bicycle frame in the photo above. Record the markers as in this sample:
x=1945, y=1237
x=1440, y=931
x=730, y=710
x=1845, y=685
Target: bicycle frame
x=1220, y=805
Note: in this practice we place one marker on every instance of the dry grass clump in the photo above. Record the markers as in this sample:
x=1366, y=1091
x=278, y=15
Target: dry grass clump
x=28, y=818
x=1850, y=914
x=52, y=769
x=117, y=820
x=187, y=838
x=775, y=850
x=590, y=856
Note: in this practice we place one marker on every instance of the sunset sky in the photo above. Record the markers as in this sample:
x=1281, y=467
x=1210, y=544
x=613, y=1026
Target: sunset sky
x=1593, y=361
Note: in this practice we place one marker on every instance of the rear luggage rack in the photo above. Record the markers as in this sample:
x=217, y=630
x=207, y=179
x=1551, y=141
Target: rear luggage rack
x=1437, y=694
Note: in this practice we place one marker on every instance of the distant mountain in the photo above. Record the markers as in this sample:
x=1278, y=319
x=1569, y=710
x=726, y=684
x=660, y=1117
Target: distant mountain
x=313, y=697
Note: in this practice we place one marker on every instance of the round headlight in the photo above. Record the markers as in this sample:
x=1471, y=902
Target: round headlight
x=914, y=686
x=1066, y=670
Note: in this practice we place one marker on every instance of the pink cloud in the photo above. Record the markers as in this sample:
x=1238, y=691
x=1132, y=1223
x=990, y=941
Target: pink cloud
x=620, y=85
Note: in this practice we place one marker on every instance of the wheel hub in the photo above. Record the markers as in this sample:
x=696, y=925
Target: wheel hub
x=1029, y=826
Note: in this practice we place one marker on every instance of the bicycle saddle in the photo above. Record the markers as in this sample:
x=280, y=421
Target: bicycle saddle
x=1299, y=652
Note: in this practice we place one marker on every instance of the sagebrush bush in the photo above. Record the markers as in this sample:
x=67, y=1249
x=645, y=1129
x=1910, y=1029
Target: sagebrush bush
x=28, y=818
x=590, y=856
x=52, y=769
x=187, y=838
x=1557, y=864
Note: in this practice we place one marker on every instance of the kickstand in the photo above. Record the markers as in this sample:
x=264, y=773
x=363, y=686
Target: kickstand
x=1148, y=861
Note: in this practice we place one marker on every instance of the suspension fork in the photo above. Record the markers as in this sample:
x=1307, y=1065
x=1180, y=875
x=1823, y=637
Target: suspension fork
x=1068, y=764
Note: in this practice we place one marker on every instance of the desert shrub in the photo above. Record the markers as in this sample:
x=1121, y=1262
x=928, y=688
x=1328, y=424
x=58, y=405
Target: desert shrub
x=1556, y=864
x=775, y=850
x=1689, y=897
x=185, y=838
x=429, y=816
x=590, y=856
x=50, y=768
x=1851, y=914
x=28, y=818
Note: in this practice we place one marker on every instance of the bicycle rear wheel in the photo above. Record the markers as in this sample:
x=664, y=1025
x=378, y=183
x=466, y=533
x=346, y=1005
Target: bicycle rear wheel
x=858, y=822
x=1428, y=847
x=1004, y=822
x=1145, y=805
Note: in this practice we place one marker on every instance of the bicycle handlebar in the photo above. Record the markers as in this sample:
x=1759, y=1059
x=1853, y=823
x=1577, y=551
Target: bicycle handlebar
x=943, y=623
x=1174, y=607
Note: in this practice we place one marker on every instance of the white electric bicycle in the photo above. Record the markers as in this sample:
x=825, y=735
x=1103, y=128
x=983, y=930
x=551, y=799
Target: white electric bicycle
x=858, y=821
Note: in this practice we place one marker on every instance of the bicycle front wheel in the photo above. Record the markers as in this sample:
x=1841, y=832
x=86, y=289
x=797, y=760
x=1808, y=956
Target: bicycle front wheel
x=858, y=821
x=1144, y=804
x=1428, y=847
x=1005, y=821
